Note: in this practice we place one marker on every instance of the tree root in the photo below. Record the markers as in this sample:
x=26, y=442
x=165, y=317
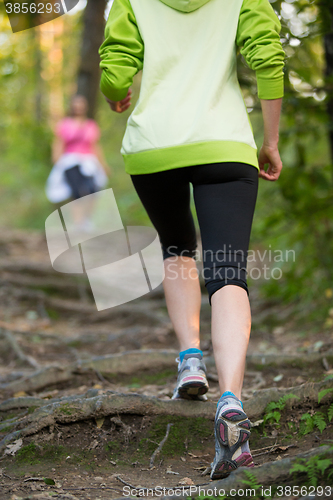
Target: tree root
x=270, y=473
x=60, y=285
x=78, y=408
x=275, y=473
x=129, y=362
x=121, y=364
x=9, y=337
x=95, y=405
x=160, y=446
x=291, y=360
x=132, y=313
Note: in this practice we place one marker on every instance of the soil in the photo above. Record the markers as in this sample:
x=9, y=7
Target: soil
x=88, y=459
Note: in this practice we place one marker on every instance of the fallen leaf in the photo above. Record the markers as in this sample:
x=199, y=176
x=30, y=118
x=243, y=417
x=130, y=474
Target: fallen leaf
x=183, y=459
x=169, y=471
x=207, y=471
x=13, y=448
x=98, y=386
x=48, y=480
x=93, y=444
x=257, y=423
x=99, y=422
x=318, y=345
x=20, y=394
x=186, y=481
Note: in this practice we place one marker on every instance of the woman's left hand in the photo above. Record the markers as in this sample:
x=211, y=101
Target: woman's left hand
x=107, y=169
x=120, y=106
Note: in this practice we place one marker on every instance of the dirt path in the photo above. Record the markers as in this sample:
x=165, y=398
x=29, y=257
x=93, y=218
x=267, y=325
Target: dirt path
x=64, y=364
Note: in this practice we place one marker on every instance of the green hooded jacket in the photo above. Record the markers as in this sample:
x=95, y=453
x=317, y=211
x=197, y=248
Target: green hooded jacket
x=191, y=109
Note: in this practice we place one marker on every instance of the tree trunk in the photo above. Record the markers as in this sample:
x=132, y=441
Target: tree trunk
x=93, y=32
x=38, y=78
x=327, y=15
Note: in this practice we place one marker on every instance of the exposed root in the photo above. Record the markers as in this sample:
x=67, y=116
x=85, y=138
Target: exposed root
x=121, y=364
x=160, y=446
x=130, y=313
x=270, y=473
x=129, y=362
x=292, y=360
x=95, y=405
x=9, y=337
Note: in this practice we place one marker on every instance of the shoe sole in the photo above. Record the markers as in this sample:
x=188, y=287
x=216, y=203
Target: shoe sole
x=193, y=385
x=232, y=429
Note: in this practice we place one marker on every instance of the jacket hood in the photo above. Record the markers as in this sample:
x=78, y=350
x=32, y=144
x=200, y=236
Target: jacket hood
x=185, y=5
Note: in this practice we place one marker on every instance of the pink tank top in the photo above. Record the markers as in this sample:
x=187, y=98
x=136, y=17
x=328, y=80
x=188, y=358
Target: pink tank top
x=78, y=137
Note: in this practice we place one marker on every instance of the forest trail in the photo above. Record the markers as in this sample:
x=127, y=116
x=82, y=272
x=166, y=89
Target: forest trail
x=85, y=395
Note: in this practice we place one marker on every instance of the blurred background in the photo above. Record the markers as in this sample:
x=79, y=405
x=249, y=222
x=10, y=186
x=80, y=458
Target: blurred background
x=41, y=68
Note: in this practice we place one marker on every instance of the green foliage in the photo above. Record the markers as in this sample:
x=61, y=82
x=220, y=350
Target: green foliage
x=297, y=212
x=323, y=393
x=310, y=422
x=315, y=469
x=274, y=408
x=251, y=480
x=330, y=413
x=294, y=213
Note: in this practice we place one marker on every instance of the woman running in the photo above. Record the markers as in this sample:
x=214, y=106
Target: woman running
x=80, y=168
x=190, y=126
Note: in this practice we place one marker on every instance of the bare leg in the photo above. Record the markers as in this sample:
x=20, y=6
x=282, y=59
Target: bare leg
x=82, y=209
x=183, y=298
x=231, y=326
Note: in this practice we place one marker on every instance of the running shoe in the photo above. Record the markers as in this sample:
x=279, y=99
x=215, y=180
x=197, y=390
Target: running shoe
x=232, y=432
x=192, y=382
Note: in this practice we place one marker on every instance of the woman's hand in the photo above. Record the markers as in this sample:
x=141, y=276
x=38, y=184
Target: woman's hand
x=58, y=148
x=270, y=155
x=107, y=169
x=120, y=106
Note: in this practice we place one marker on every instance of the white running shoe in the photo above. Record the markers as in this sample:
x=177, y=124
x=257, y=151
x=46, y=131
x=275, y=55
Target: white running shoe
x=192, y=381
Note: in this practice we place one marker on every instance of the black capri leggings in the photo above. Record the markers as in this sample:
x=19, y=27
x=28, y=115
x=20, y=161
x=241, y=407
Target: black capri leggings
x=81, y=185
x=224, y=195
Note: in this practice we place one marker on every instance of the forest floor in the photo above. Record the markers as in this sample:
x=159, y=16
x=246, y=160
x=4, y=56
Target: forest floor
x=85, y=395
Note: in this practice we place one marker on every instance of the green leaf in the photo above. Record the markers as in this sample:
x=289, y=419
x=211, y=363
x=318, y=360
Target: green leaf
x=271, y=406
x=323, y=464
x=251, y=480
x=308, y=423
x=298, y=468
x=277, y=416
x=319, y=421
x=330, y=412
x=323, y=393
x=48, y=480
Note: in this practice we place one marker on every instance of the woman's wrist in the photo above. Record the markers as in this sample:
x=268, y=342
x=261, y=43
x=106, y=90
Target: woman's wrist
x=271, y=143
